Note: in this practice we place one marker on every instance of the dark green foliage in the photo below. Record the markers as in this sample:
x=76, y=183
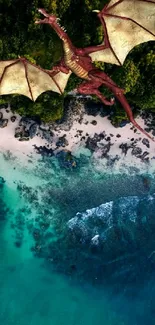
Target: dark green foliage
x=40, y=44
x=48, y=106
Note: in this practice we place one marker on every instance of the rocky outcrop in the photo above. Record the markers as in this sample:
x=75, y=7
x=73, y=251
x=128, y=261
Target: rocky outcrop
x=91, y=142
x=33, y=130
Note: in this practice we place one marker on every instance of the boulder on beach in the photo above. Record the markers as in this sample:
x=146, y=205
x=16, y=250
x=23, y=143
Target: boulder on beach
x=146, y=142
x=136, y=151
x=13, y=118
x=3, y=123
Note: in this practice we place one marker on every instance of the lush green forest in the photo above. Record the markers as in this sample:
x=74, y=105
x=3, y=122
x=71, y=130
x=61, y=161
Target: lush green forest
x=40, y=44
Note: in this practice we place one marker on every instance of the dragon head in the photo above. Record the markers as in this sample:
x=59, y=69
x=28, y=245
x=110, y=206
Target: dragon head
x=49, y=19
x=53, y=21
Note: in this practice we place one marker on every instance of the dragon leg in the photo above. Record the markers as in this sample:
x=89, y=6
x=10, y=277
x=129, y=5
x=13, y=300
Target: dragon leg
x=88, y=88
x=98, y=78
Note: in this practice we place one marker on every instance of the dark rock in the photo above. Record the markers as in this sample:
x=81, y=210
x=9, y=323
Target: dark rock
x=62, y=142
x=93, y=108
x=33, y=130
x=147, y=129
x=99, y=136
x=94, y=122
x=13, y=118
x=105, y=149
x=21, y=133
x=136, y=151
x=91, y=143
x=145, y=153
x=146, y=160
x=4, y=106
x=3, y=123
x=80, y=131
x=23, y=139
x=146, y=142
x=80, y=120
x=123, y=123
x=26, y=121
x=18, y=132
x=44, y=151
x=26, y=134
x=47, y=135
x=124, y=147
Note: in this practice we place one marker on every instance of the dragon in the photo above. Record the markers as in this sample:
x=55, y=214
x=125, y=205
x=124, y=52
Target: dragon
x=126, y=23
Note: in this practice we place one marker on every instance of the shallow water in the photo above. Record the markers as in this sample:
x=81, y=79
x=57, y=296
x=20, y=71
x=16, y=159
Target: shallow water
x=100, y=270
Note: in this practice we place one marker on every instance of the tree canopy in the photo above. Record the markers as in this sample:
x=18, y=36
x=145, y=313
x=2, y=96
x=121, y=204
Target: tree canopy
x=40, y=44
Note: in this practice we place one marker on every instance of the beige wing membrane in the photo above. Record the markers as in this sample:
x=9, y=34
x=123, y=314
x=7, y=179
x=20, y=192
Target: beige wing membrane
x=29, y=80
x=125, y=34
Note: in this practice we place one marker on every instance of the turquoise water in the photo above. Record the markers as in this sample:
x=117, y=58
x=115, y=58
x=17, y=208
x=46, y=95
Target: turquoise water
x=77, y=245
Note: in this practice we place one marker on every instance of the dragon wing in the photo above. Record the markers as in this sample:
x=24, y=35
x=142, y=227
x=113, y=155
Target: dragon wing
x=126, y=23
x=20, y=76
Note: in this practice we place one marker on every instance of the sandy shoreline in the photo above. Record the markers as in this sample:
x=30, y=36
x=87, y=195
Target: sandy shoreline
x=77, y=140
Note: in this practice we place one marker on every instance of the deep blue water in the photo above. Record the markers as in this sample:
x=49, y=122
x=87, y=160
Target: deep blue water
x=77, y=245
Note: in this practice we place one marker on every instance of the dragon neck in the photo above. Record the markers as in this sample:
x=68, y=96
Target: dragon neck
x=61, y=32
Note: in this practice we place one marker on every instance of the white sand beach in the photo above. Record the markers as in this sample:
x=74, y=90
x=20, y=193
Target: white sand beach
x=77, y=137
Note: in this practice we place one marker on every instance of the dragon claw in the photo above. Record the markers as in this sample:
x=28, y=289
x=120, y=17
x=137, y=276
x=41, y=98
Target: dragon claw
x=112, y=101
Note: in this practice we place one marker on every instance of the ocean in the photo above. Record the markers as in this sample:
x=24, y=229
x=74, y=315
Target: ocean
x=77, y=243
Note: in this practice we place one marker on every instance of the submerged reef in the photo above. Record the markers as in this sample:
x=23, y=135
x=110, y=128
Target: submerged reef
x=112, y=243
